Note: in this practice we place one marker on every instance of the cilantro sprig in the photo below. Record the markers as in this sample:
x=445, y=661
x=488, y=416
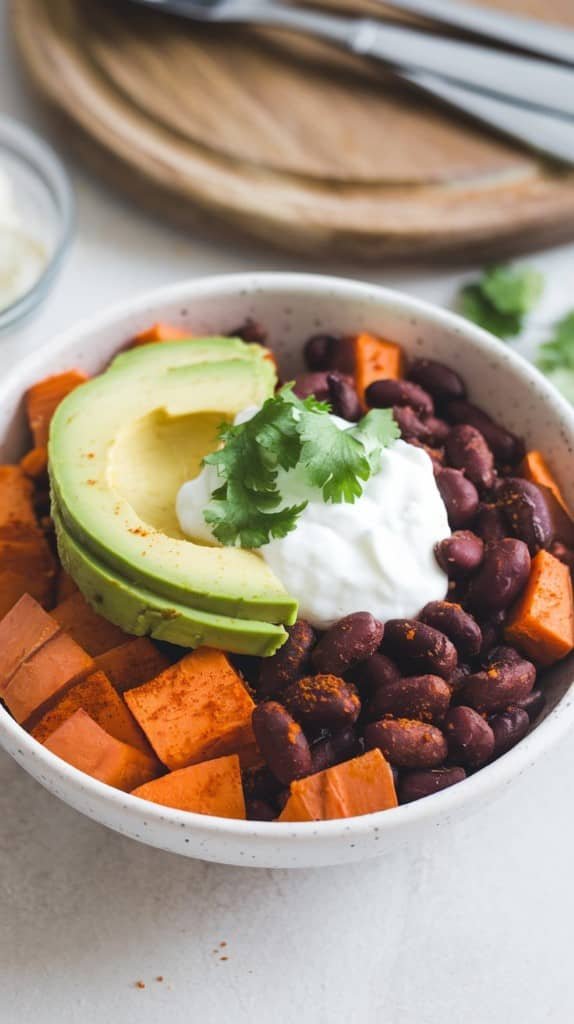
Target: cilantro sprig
x=556, y=356
x=247, y=509
x=502, y=298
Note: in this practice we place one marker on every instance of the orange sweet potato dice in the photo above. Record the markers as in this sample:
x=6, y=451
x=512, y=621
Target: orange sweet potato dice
x=132, y=663
x=368, y=358
x=78, y=619
x=13, y=586
x=541, y=624
x=96, y=695
x=34, y=464
x=159, y=332
x=43, y=398
x=84, y=744
x=355, y=787
x=44, y=677
x=196, y=710
x=23, y=631
x=17, y=516
x=535, y=468
x=212, y=787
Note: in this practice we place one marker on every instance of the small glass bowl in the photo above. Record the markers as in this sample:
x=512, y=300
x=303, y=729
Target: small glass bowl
x=44, y=201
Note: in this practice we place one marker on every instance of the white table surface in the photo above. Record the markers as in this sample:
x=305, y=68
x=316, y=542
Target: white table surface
x=475, y=925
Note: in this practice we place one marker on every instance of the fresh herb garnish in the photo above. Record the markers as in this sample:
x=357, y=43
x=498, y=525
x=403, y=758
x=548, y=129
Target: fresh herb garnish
x=501, y=300
x=556, y=356
x=286, y=432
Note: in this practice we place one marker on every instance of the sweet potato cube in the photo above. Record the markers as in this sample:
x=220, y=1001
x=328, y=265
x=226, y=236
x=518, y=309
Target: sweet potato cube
x=44, y=677
x=368, y=358
x=535, y=468
x=17, y=516
x=43, y=398
x=196, y=710
x=34, y=464
x=26, y=554
x=132, y=663
x=355, y=787
x=13, y=586
x=78, y=619
x=159, y=332
x=541, y=624
x=23, y=631
x=212, y=787
x=84, y=744
x=96, y=695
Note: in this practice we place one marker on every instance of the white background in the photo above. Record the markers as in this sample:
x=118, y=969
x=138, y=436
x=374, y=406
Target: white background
x=474, y=926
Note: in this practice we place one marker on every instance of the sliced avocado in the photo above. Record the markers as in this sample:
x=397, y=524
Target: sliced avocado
x=140, y=612
x=155, y=357
x=121, y=446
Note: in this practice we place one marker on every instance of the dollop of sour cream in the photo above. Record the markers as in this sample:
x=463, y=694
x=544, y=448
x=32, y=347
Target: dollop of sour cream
x=22, y=256
x=376, y=555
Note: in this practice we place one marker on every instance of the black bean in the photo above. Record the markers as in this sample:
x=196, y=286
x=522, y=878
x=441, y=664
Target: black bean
x=319, y=351
x=509, y=728
x=384, y=394
x=418, y=648
x=439, y=380
x=349, y=641
x=459, y=495
x=460, y=554
x=282, y=742
x=501, y=578
x=470, y=739
x=414, y=785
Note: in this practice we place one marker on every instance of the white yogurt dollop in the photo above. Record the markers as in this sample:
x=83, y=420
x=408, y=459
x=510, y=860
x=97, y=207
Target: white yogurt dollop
x=22, y=257
x=376, y=555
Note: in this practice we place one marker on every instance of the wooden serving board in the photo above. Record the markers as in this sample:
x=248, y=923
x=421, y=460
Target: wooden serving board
x=285, y=139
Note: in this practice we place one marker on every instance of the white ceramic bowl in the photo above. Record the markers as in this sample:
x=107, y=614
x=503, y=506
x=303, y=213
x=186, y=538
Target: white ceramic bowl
x=293, y=306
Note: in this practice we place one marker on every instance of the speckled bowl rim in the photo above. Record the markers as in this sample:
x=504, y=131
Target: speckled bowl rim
x=441, y=805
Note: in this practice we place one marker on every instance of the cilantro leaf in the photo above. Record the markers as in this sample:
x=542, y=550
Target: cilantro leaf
x=376, y=431
x=502, y=298
x=556, y=357
x=558, y=353
x=288, y=432
x=240, y=517
x=334, y=460
x=513, y=290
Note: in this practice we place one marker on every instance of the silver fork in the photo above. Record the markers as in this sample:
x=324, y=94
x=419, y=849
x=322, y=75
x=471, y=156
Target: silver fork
x=531, y=100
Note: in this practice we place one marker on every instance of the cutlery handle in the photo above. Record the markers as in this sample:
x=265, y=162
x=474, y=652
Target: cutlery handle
x=527, y=80
x=518, y=30
x=534, y=128
x=551, y=135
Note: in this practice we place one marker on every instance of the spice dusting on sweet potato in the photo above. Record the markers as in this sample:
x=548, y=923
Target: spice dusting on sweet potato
x=43, y=398
x=360, y=786
x=132, y=663
x=541, y=625
x=84, y=744
x=23, y=631
x=368, y=358
x=197, y=709
x=44, y=677
x=212, y=787
x=96, y=695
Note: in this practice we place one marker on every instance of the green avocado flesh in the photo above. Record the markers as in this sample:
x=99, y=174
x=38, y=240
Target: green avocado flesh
x=142, y=613
x=120, y=448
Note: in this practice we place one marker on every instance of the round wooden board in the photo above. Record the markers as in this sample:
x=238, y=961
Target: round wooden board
x=285, y=139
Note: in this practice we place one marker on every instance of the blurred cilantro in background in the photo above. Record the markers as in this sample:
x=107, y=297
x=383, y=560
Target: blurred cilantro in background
x=556, y=356
x=501, y=299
